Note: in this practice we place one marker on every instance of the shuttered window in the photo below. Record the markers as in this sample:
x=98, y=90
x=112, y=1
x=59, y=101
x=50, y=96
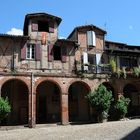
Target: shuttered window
x=31, y=51
x=91, y=38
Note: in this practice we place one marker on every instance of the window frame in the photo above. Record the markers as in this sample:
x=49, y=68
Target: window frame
x=30, y=48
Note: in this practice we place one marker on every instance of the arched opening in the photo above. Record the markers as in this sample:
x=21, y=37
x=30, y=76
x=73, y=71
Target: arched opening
x=48, y=103
x=78, y=105
x=17, y=93
x=109, y=88
x=132, y=93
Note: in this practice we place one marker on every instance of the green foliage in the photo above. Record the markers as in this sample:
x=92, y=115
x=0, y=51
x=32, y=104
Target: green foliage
x=121, y=106
x=124, y=72
x=113, y=65
x=121, y=72
x=5, y=108
x=136, y=71
x=100, y=99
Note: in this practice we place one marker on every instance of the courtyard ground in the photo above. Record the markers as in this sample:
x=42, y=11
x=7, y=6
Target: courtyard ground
x=119, y=130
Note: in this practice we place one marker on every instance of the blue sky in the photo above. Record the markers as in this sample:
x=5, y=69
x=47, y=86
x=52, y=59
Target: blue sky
x=120, y=18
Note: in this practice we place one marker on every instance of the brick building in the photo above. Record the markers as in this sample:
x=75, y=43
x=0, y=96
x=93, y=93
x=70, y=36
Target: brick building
x=46, y=78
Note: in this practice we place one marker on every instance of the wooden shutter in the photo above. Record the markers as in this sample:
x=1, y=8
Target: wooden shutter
x=23, y=51
x=50, y=53
x=51, y=27
x=34, y=26
x=98, y=60
x=91, y=38
x=63, y=54
x=85, y=60
x=37, y=52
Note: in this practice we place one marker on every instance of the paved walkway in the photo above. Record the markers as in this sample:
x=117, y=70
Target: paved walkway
x=120, y=130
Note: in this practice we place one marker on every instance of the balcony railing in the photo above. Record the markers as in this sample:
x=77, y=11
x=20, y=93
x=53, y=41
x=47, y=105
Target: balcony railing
x=95, y=69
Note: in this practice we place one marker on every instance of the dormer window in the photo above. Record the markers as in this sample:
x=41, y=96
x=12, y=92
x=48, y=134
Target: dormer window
x=91, y=39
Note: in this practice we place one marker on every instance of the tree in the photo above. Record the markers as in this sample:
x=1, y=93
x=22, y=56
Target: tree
x=100, y=99
x=5, y=108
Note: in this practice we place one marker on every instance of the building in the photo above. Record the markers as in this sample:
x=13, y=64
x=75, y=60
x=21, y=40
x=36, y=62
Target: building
x=46, y=79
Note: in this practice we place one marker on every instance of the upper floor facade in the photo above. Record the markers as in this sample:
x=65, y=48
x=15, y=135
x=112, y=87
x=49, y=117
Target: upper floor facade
x=40, y=50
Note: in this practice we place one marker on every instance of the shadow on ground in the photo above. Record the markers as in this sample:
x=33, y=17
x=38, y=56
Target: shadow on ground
x=134, y=135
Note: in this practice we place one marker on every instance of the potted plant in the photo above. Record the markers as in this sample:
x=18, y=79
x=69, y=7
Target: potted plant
x=100, y=99
x=121, y=107
x=113, y=65
x=5, y=108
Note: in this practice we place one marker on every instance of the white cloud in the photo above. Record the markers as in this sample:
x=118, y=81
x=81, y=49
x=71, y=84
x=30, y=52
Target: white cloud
x=130, y=27
x=15, y=31
x=61, y=37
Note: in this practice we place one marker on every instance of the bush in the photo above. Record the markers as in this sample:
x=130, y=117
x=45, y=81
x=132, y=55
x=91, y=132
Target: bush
x=100, y=99
x=121, y=106
x=5, y=108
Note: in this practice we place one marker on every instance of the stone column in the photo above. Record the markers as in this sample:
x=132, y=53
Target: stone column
x=32, y=104
x=32, y=110
x=118, y=89
x=64, y=109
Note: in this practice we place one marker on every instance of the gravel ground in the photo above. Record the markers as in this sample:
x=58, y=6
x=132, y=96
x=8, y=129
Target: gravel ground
x=120, y=130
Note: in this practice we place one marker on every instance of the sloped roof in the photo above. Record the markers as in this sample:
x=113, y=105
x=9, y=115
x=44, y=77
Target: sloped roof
x=13, y=36
x=91, y=26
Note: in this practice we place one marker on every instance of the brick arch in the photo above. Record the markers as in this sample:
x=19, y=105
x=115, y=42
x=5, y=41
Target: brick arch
x=42, y=79
x=23, y=80
x=129, y=83
x=75, y=81
x=109, y=86
x=109, y=83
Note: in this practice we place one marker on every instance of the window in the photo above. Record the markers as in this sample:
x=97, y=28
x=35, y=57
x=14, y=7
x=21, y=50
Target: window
x=30, y=52
x=43, y=26
x=92, y=62
x=92, y=59
x=57, y=53
x=128, y=62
